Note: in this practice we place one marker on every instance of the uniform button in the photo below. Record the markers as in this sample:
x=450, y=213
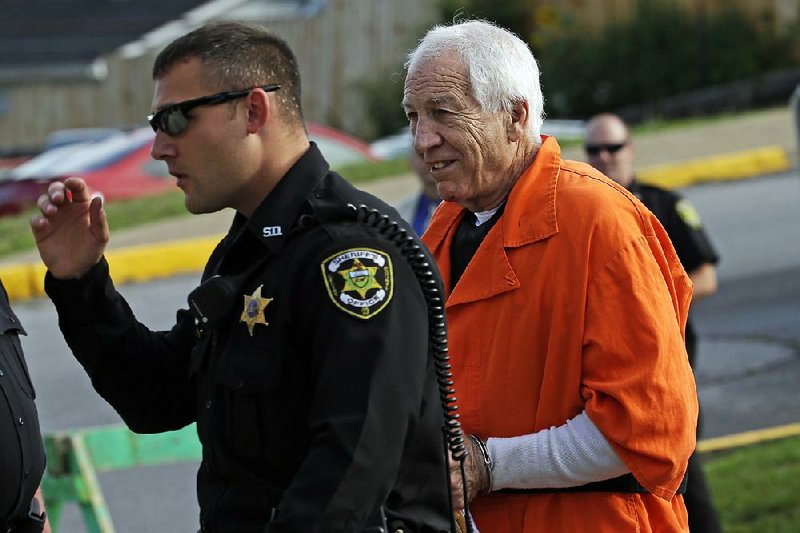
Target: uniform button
x=21, y=422
x=305, y=221
x=209, y=403
x=2, y=373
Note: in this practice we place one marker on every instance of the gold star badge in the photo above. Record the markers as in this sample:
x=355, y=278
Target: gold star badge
x=359, y=278
x=253, y=312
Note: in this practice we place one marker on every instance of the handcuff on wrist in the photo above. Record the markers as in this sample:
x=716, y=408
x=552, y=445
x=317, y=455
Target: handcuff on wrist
x=487, y=460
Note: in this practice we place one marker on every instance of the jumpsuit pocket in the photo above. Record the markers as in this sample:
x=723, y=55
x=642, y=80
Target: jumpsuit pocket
x=11, y=358
x=247, y=384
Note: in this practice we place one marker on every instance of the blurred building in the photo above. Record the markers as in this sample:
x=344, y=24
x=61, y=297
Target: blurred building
x=87, y=63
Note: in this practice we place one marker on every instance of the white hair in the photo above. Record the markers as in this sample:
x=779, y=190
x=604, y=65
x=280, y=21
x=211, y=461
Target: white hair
x=501, y=67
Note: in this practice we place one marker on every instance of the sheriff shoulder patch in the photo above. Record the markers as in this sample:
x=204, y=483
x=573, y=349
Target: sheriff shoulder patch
x=688, y=214
x=360, y=281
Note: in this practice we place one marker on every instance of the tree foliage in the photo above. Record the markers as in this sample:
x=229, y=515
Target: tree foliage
x=661, y=51
x=516, y=16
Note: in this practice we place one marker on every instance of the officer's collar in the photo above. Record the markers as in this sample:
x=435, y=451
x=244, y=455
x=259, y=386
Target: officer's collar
x=634, y=188
x=278, y=212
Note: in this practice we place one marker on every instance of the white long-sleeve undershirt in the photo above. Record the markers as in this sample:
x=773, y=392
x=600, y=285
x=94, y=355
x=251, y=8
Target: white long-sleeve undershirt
x=569, y=455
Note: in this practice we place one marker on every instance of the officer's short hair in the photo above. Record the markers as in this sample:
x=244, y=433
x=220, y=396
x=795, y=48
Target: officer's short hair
x=238, y=55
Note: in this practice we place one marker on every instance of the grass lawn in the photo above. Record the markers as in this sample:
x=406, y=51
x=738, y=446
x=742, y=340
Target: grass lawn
x=15, y=231
x=756, y=489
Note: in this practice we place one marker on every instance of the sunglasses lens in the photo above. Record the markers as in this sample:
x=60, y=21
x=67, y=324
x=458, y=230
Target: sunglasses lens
x=174, y=121
x=171, y=121
x=614, y=148
x=595, y=149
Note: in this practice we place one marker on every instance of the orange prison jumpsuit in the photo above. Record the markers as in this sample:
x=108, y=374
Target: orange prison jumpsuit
x=575, y=300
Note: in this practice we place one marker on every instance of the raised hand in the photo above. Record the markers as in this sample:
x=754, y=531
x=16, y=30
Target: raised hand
x=71, y=232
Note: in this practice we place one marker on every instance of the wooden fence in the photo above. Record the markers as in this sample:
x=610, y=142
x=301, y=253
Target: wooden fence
x=338, y=47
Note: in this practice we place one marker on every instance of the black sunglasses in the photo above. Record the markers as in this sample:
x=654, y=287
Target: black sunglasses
x=611, y=148
x=172, y=120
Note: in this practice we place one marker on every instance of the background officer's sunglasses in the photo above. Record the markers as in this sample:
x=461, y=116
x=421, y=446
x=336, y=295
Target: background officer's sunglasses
x=595, y=149
x=172, y=120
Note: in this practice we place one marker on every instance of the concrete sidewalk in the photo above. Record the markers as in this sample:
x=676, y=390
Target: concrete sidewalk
x=733, y=147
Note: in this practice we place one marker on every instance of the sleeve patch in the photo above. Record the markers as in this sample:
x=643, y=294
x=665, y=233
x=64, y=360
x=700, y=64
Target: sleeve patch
x=688, y=214
x=359, y=281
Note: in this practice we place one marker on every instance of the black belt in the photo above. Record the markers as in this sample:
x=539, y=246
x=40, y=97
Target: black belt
x=625, y=484
x=32, y=522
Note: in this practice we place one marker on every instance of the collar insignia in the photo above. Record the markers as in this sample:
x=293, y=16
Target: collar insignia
x=360, y=281
x=271, y=231
x=253, y=312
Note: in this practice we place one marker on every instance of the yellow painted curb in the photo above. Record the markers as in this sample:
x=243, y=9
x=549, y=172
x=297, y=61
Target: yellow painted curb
x=142, y=263
x=23, y=281
x=137, y=263
x=736, y=165
x=747, y=438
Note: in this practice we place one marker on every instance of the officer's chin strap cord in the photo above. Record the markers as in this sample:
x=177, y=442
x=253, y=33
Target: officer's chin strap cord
x=437, y=335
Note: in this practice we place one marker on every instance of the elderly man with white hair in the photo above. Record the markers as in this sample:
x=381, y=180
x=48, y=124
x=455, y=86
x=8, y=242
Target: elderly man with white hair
x=566, y=305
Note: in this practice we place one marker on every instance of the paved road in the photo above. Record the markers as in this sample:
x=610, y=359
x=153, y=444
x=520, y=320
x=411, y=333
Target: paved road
x=748, y=371
x=749, y=361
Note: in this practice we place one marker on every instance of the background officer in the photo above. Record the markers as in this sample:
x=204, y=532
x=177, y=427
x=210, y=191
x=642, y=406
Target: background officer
x=21, y=452
x=610, y=150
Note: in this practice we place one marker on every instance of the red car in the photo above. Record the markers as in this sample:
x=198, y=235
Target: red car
x=120, y=166
x=339, y=148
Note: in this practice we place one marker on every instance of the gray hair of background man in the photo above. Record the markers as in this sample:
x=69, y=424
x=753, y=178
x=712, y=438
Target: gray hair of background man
x=500, y=65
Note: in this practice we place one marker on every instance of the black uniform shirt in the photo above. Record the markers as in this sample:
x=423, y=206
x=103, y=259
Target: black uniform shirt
x=685, y=229
x=314, y=394
x=681, y=222
x=21, y=451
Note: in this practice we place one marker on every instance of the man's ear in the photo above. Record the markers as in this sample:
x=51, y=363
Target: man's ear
x=519, y=120
x=259, y=110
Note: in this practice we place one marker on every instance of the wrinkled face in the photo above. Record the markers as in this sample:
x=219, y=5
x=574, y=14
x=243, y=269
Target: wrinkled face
x=609, y=150
x=466, y=150
x=209, y=157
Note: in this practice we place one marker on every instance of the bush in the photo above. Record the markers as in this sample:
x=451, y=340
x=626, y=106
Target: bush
x=515, y=16
x=662, y=51
x=382, y=96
